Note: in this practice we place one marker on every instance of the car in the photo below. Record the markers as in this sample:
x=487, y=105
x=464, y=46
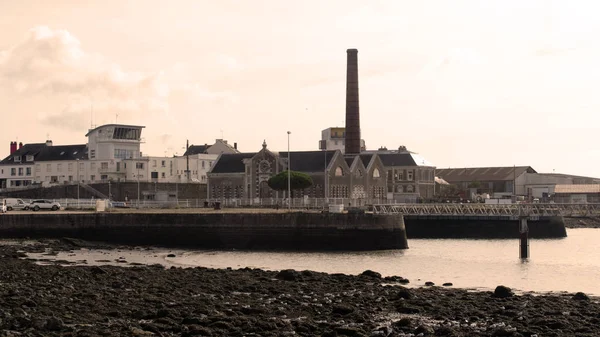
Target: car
x=15, y=203
x=3, y=206
x=36, y=205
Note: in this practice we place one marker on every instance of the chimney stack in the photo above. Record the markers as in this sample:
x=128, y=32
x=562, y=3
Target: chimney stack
x=352, y=110
x=235, y=146
x=48, y=143
x=20, y=145
x=13, y=147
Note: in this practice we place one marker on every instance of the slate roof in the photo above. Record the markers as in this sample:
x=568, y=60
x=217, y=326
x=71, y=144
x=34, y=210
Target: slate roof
x=349, y=160
x=231, y=163
x=63, y=152
x=26, y=150
x=309, y=161
x=397, y=159
x=366, y=158
x=482, y=173
x=196, y=149
x=42, y=152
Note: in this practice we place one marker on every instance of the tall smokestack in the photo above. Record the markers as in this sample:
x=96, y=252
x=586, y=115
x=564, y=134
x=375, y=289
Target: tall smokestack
x=352, y=111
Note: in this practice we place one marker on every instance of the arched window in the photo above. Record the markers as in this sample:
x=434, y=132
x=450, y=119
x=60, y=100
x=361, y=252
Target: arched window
x=409, y=188
x=376, y=173
x=339, y=172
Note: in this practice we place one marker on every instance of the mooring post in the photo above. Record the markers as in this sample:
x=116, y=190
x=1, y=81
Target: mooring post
x=524, y=231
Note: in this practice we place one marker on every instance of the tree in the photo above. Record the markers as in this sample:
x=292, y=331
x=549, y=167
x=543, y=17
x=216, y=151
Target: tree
x=298, y=181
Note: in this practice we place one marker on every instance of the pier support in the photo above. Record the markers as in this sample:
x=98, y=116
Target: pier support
x=524, y=238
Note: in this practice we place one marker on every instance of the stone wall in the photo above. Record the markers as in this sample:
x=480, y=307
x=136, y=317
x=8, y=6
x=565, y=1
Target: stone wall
x=284, y=231
x=437, y=227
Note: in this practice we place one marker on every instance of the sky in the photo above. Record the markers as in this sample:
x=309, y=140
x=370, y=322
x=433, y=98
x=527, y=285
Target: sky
x=462, y=83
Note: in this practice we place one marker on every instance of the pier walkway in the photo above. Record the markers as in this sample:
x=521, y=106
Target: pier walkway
x=511, y=211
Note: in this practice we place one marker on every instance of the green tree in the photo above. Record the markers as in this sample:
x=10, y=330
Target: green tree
x=298, y=181
x=475, y=184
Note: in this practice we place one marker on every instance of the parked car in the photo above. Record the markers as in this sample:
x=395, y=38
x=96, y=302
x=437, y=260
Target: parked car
x=2, y=206
x=36, y=205
x=15, y=203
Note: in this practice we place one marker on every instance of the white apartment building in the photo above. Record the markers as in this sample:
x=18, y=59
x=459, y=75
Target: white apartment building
x=334, y=138
x=111, y=153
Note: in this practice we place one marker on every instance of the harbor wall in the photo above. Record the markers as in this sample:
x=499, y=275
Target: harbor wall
x=282, y=231
x=436, y=227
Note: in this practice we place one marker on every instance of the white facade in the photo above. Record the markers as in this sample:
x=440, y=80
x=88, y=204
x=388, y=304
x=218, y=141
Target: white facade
x=334, y=138
x=169, y=169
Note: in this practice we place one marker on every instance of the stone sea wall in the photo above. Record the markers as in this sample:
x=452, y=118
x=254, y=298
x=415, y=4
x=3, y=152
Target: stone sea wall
x=480, y=228
x=286, y=231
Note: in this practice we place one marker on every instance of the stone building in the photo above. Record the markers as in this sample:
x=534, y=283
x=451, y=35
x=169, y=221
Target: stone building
x=245, y=175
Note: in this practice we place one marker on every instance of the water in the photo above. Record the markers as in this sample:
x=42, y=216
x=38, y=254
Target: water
x=571, y=264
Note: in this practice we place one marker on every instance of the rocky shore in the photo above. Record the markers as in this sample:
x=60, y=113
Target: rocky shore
x=52, y=300
x=589, y=222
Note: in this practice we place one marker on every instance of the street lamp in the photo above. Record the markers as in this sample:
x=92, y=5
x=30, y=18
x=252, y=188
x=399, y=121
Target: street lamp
x=289, y=175
x=78, y=181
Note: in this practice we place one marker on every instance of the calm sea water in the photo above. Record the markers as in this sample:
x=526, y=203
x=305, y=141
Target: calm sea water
x=570, y=264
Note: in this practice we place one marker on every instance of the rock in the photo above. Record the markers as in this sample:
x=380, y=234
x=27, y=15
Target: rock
x=288, y=275
x=403, y=322
x=370, y=273
x=429, y=284
x=448, y=284
x=54, y=324
x=425, y=330
x=171, y=255
x=348, y=331
x=342, y=309
x=580, y=297
x=97, y=270
x=404, y=294
x=503, y=292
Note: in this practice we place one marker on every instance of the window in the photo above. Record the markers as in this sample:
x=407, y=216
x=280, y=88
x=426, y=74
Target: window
x=92, y=177
x=339, y=172
x=28, y=171
x=70, y=178
x=162, y=175
x=123, y=154
x=38, y=168
x=104, y=177
x=17, y=159
x=48, y=167
x=70, y=167
x=93, y=166
x=81, y=166
x=13, y=171
x=154, y=163
x=139, y=166
x=162, y=163
x=376, y=173
x=104, y=166
x=92, y=154
x=20, y=171
x=29, y=157
x=409, y=188
x=58, y=167
x=203, y=164
x=409, y=175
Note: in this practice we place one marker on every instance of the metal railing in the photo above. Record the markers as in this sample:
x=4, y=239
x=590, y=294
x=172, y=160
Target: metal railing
x=507, y=210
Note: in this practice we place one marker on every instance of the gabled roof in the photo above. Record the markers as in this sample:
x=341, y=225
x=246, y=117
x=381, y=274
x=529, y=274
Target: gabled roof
x=63, y=152
x=308, y=161
x=366, y=158
x=231, y=163
x=349, y=160
x=26, y=150
x=482, y=173
x=196, y=149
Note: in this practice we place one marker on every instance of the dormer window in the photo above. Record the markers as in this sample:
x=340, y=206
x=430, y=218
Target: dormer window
x=17, y=159
x=29, y=157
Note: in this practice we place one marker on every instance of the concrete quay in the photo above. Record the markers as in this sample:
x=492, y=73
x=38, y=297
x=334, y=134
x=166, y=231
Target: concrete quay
x=214, y=229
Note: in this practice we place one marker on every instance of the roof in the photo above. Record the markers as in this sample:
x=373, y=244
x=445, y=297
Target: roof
x=231, y=163
x=397, y=159
x=63, y=152
x=26, y=150
x=349, y=160
x=584, y=188
x=117, y=125
x=309, y=161
x=196, y=149
x=366, y=158
x=482, y=173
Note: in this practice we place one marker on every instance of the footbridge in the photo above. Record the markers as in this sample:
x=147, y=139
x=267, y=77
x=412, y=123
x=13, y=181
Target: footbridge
x=510, y=211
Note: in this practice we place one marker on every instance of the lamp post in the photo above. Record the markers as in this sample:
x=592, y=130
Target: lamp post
x=289, y=175
x=137, y=165
x=78, y=181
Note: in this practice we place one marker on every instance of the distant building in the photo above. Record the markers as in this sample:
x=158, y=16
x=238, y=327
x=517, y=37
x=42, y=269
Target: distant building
x=577, y=194
x=334, y=138
x=220, y=146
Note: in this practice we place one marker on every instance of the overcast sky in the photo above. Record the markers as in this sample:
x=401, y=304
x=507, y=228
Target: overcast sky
x=463, y=83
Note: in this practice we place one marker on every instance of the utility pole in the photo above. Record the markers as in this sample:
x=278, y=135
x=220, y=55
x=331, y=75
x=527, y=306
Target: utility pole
x=187, y=159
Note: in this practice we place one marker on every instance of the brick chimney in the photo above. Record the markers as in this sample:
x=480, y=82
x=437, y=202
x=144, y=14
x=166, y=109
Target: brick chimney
x=13, y=147
x=20, y=145
x=352, y=110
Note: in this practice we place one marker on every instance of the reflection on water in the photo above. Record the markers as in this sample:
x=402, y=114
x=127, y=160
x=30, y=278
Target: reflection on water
x=570, y=264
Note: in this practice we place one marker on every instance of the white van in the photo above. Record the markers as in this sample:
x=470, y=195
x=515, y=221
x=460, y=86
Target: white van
x=15, y=203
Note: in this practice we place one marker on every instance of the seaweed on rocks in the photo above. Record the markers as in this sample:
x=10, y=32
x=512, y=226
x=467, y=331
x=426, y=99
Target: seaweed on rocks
x=52, y=300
